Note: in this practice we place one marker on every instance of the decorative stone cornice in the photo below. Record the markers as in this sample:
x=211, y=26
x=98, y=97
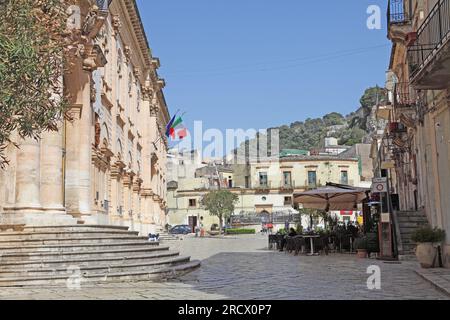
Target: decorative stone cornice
x=116, y=170
x=161, y=84
x=99, y=159
x=156, y=63
x=146, y=192
x=127, y=180
x=74, y=112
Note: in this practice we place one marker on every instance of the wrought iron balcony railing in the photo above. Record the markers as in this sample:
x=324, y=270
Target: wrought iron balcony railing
x=103, y=5
x=399, y=11
x=404, y=95
x=430, y=36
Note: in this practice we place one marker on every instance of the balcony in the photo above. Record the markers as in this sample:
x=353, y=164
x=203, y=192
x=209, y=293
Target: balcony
x=263, y=188
x=429, y=56
x=287, y=186
x=405, y=102
x=405, y=96
x=399, y=20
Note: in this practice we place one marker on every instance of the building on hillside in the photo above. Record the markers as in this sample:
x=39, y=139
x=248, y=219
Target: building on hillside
x=361, y=151
x=108, y=164
x=332, y=148
x=414, y=152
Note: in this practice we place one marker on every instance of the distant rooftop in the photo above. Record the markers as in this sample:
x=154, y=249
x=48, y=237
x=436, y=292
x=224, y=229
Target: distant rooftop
x=293, y=152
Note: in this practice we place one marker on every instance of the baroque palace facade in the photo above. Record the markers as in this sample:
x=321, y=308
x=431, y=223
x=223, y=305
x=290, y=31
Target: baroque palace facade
x=106, y=164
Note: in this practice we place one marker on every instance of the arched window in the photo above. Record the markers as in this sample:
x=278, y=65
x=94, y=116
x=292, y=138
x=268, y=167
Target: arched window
x=119, y=149
x=106, y=137
x=130, y=160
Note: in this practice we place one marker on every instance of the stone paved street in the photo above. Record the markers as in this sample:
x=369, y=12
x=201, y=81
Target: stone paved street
x=241, y=268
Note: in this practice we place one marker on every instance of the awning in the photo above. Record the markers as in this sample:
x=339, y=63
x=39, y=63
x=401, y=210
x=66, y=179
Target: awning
x=331, y=198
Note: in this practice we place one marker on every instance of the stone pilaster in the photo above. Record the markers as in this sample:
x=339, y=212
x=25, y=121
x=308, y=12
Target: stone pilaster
x=78, y=147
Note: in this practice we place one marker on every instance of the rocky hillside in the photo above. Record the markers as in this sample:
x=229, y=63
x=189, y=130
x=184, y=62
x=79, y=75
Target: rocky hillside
x=349, y=130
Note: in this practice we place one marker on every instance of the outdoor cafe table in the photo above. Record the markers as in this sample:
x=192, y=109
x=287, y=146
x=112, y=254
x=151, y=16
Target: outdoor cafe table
x=311, y=238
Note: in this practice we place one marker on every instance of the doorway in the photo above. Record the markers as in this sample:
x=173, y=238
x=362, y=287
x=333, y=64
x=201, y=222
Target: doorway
x=193, y=220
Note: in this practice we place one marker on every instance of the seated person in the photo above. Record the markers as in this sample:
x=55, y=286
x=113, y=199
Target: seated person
x=292, y=233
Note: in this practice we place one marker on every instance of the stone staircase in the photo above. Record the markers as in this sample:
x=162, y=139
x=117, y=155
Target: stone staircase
x=167, y=237
x=408, y=222
x=51, y=255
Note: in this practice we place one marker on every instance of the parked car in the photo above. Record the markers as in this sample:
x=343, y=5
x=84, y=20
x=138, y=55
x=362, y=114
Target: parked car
x=181, y=229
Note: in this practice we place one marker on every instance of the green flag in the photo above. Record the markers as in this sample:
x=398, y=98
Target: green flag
x=177, y=122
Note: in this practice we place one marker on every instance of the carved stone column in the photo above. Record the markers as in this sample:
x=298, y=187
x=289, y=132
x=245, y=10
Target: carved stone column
x=27, y=207
x=52, y=192
x=28, y=177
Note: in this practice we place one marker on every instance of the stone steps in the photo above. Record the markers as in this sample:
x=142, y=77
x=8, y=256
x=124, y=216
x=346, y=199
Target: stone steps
x=419, y=214
x=85, y=261
x=409, y=222
x=155, y=274
x=64, y=255
x=48, y=255
x=413, y=219
x=81, y=227
x=97, y=269
x=76, y=247
x=63, y=234
x=75, y=240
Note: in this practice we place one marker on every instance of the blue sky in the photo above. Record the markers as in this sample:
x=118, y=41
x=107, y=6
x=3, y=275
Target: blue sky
x=259, y=63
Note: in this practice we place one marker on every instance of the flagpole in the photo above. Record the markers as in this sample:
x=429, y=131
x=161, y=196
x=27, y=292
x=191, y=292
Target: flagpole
x=160, y=138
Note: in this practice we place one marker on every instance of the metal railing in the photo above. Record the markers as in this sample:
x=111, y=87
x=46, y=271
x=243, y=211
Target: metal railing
x=103, y=5
x=254, y=218
x=287, y=185
x=430, y=36
x=404, y=95
x=398, y=12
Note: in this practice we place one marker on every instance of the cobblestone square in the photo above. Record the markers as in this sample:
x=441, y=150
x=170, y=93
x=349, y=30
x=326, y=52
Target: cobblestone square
x=242, y=268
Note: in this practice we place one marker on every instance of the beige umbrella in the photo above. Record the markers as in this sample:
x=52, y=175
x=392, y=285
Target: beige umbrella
x=331, y=198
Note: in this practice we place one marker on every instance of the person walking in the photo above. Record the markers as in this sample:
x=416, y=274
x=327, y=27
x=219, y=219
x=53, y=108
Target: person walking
x=286, y=225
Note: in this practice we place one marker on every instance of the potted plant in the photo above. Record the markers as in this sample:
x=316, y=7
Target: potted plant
x=361, y=247
x=427, y=240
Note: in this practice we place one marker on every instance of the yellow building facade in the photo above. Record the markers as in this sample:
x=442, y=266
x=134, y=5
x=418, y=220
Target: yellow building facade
x=416, y=144
x=268, y=189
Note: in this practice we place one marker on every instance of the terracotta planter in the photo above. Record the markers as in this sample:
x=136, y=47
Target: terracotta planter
x=426, y=254
x=362, y=253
